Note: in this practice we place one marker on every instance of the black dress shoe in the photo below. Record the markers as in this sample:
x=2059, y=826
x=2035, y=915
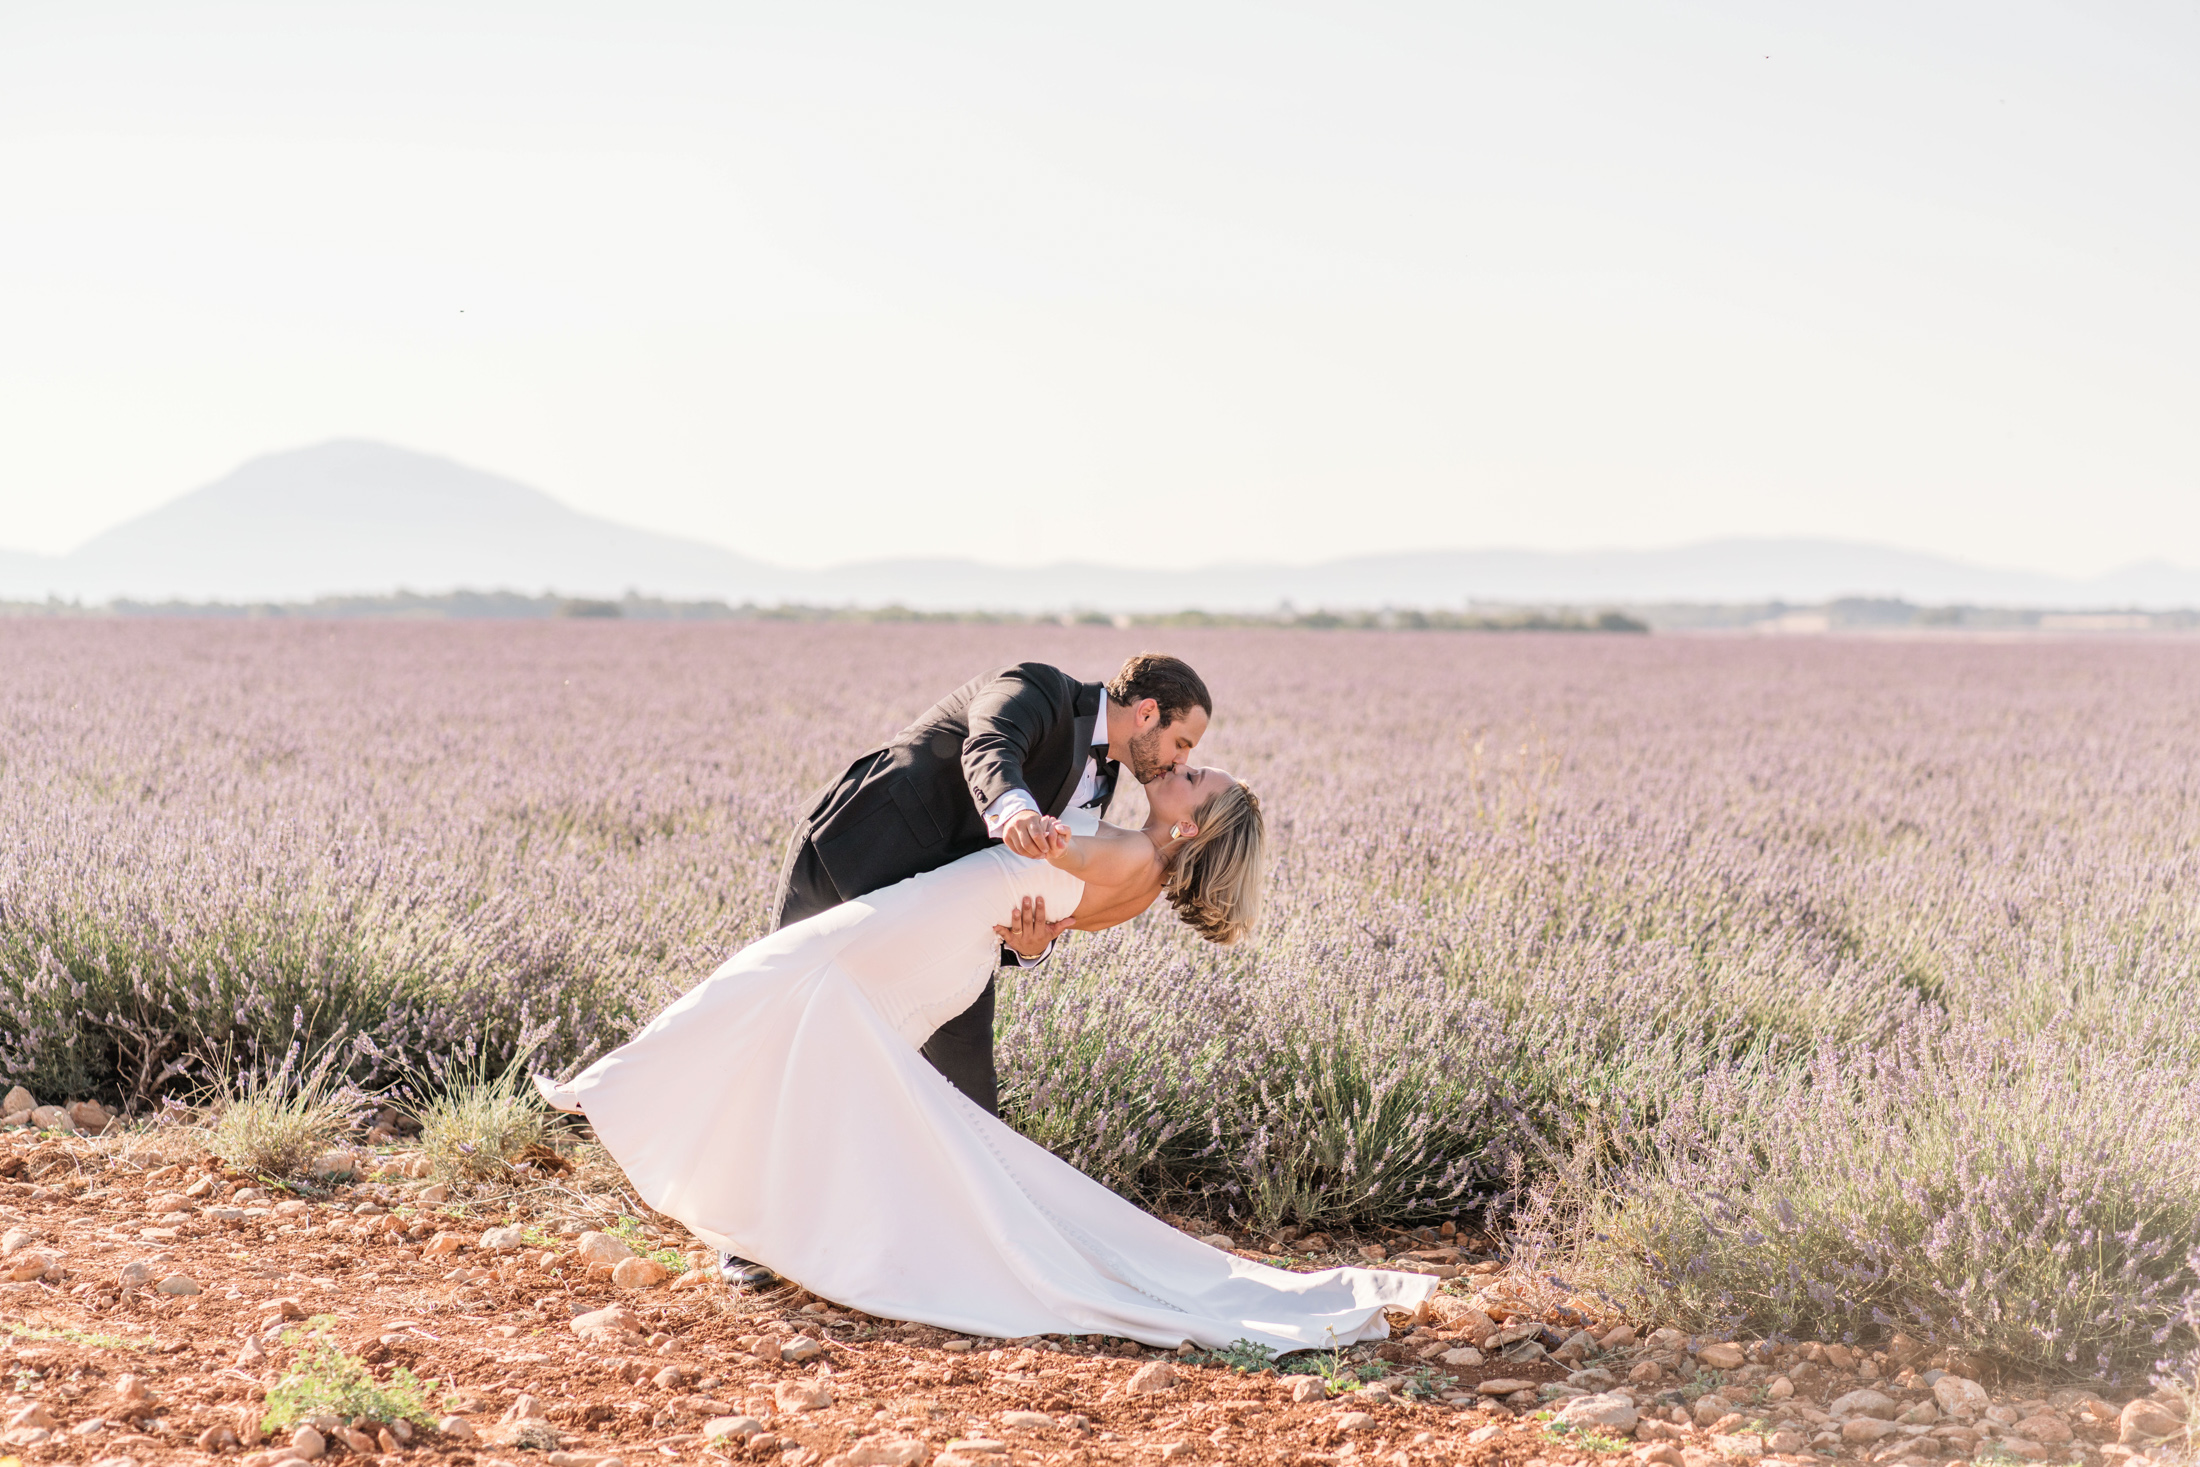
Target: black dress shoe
x=740, y=1272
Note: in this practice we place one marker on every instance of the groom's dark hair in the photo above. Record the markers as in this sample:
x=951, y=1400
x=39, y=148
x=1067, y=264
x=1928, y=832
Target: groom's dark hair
x=1169, y=681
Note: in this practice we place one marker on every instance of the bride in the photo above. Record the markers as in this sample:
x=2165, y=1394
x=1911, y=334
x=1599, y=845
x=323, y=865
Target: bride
x=781, y=1109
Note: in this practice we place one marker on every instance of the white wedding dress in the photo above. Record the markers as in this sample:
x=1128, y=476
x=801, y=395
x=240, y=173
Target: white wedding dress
x=781, y=1110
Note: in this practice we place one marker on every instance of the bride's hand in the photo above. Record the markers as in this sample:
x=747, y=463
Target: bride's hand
x=1028, y=932
x=1052, y=839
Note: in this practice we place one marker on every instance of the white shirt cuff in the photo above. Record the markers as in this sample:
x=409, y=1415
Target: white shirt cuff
x=997, y=814
x=1044, y=953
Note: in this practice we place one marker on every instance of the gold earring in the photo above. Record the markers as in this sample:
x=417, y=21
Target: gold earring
x=1177, y=831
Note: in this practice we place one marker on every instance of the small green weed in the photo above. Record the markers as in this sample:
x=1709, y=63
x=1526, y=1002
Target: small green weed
x=1422, y=1380
x=75, y=1337
x=1332, y=1369
x=327, y=1378
x=1583, y=1437
x=631, y=1230
x=1242, y=1355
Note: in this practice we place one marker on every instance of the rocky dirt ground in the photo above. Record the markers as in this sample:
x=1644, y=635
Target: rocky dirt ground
x=153, y=1299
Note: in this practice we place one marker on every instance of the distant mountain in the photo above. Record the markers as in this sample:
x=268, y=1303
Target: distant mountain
x=357, y=517
x=365, y=517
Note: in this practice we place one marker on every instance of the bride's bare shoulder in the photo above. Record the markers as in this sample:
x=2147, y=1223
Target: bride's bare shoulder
x=1119, y=857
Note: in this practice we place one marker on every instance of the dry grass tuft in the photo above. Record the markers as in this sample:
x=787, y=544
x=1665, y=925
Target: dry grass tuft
x=479, y=1125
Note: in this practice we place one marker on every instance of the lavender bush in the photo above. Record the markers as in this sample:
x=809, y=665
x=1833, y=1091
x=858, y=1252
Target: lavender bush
x=1823, y=986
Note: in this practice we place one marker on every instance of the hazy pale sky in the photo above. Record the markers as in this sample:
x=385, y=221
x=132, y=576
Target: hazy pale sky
x=1162, y=283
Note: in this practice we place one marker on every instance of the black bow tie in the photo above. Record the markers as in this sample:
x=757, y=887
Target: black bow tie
x=1103, y=782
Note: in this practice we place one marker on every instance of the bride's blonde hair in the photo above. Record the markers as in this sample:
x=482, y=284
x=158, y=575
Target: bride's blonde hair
x=1215, y=881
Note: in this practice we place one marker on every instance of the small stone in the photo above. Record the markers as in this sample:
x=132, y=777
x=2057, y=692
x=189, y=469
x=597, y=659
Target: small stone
x=1467, y=1320
x=524, y=1407
x=1721, y=1357
x=2146, y=1420
x=1924, y=1413
x=1659, y=1454
x=801, y=1395
x=1711, y=1409
x=15, y=1240
x=52, y=1118
x=1744, y=1445
x=611, y=1326
x=980, y=1446
x=957, y=1347
x=179, y=1283
x=286, y=1307
x=166, y=1203
x=1503, y=1386
x=638, y=1273
x=719, y=1427
x=291, y=1210
x=336, y=1164
x=1787, y=1442
x=457, y=1428
x=436, y=1195
x=251, y=1355
x=308, y=1443
x=887, y=1451
x=1958, y=1396
x=1374, y=1252
x=1781, y=1389
x=1611, y=1411
x=32, y=1415
x=800, y=1348
x=19, y=1102
x=1171, y=1450
x=1152, y=1379
x=1309, y=1388
x=31, y=1264
x=443, y=1245
x=1355, y=1421
x=1465, y=1357
x=201, y=1188
x=214, y=1438
x=532, y=1434
x=1219, y=1240
x=672, y=1377
x=596, y=1247
x=1645, y=1372
x=1864, y=1403
x=1618, y=1337
x=502, y=1240
x=2048, y=1430
x=1026, y=1420
x=132, y=1394
x=1867, y=1429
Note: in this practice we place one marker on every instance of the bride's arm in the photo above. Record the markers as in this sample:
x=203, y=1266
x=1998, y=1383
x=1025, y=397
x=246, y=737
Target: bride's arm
x=1111, y=857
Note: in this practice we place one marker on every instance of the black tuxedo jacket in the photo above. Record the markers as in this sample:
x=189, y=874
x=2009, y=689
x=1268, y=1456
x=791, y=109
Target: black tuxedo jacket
x=920, y=802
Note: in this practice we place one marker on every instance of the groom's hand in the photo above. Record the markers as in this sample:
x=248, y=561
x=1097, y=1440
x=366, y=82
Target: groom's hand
x=1028, y=932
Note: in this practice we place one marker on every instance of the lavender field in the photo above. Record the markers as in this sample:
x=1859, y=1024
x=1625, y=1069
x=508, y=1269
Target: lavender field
x=1825, y=988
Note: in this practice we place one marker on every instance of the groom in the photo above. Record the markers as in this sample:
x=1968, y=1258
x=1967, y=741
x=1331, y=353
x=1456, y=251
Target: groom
x=988, y=762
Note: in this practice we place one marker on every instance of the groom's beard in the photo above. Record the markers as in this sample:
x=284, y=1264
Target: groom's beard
x=1145, y=756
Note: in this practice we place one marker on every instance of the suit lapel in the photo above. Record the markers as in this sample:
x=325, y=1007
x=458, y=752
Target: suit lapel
x=1087, y=709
